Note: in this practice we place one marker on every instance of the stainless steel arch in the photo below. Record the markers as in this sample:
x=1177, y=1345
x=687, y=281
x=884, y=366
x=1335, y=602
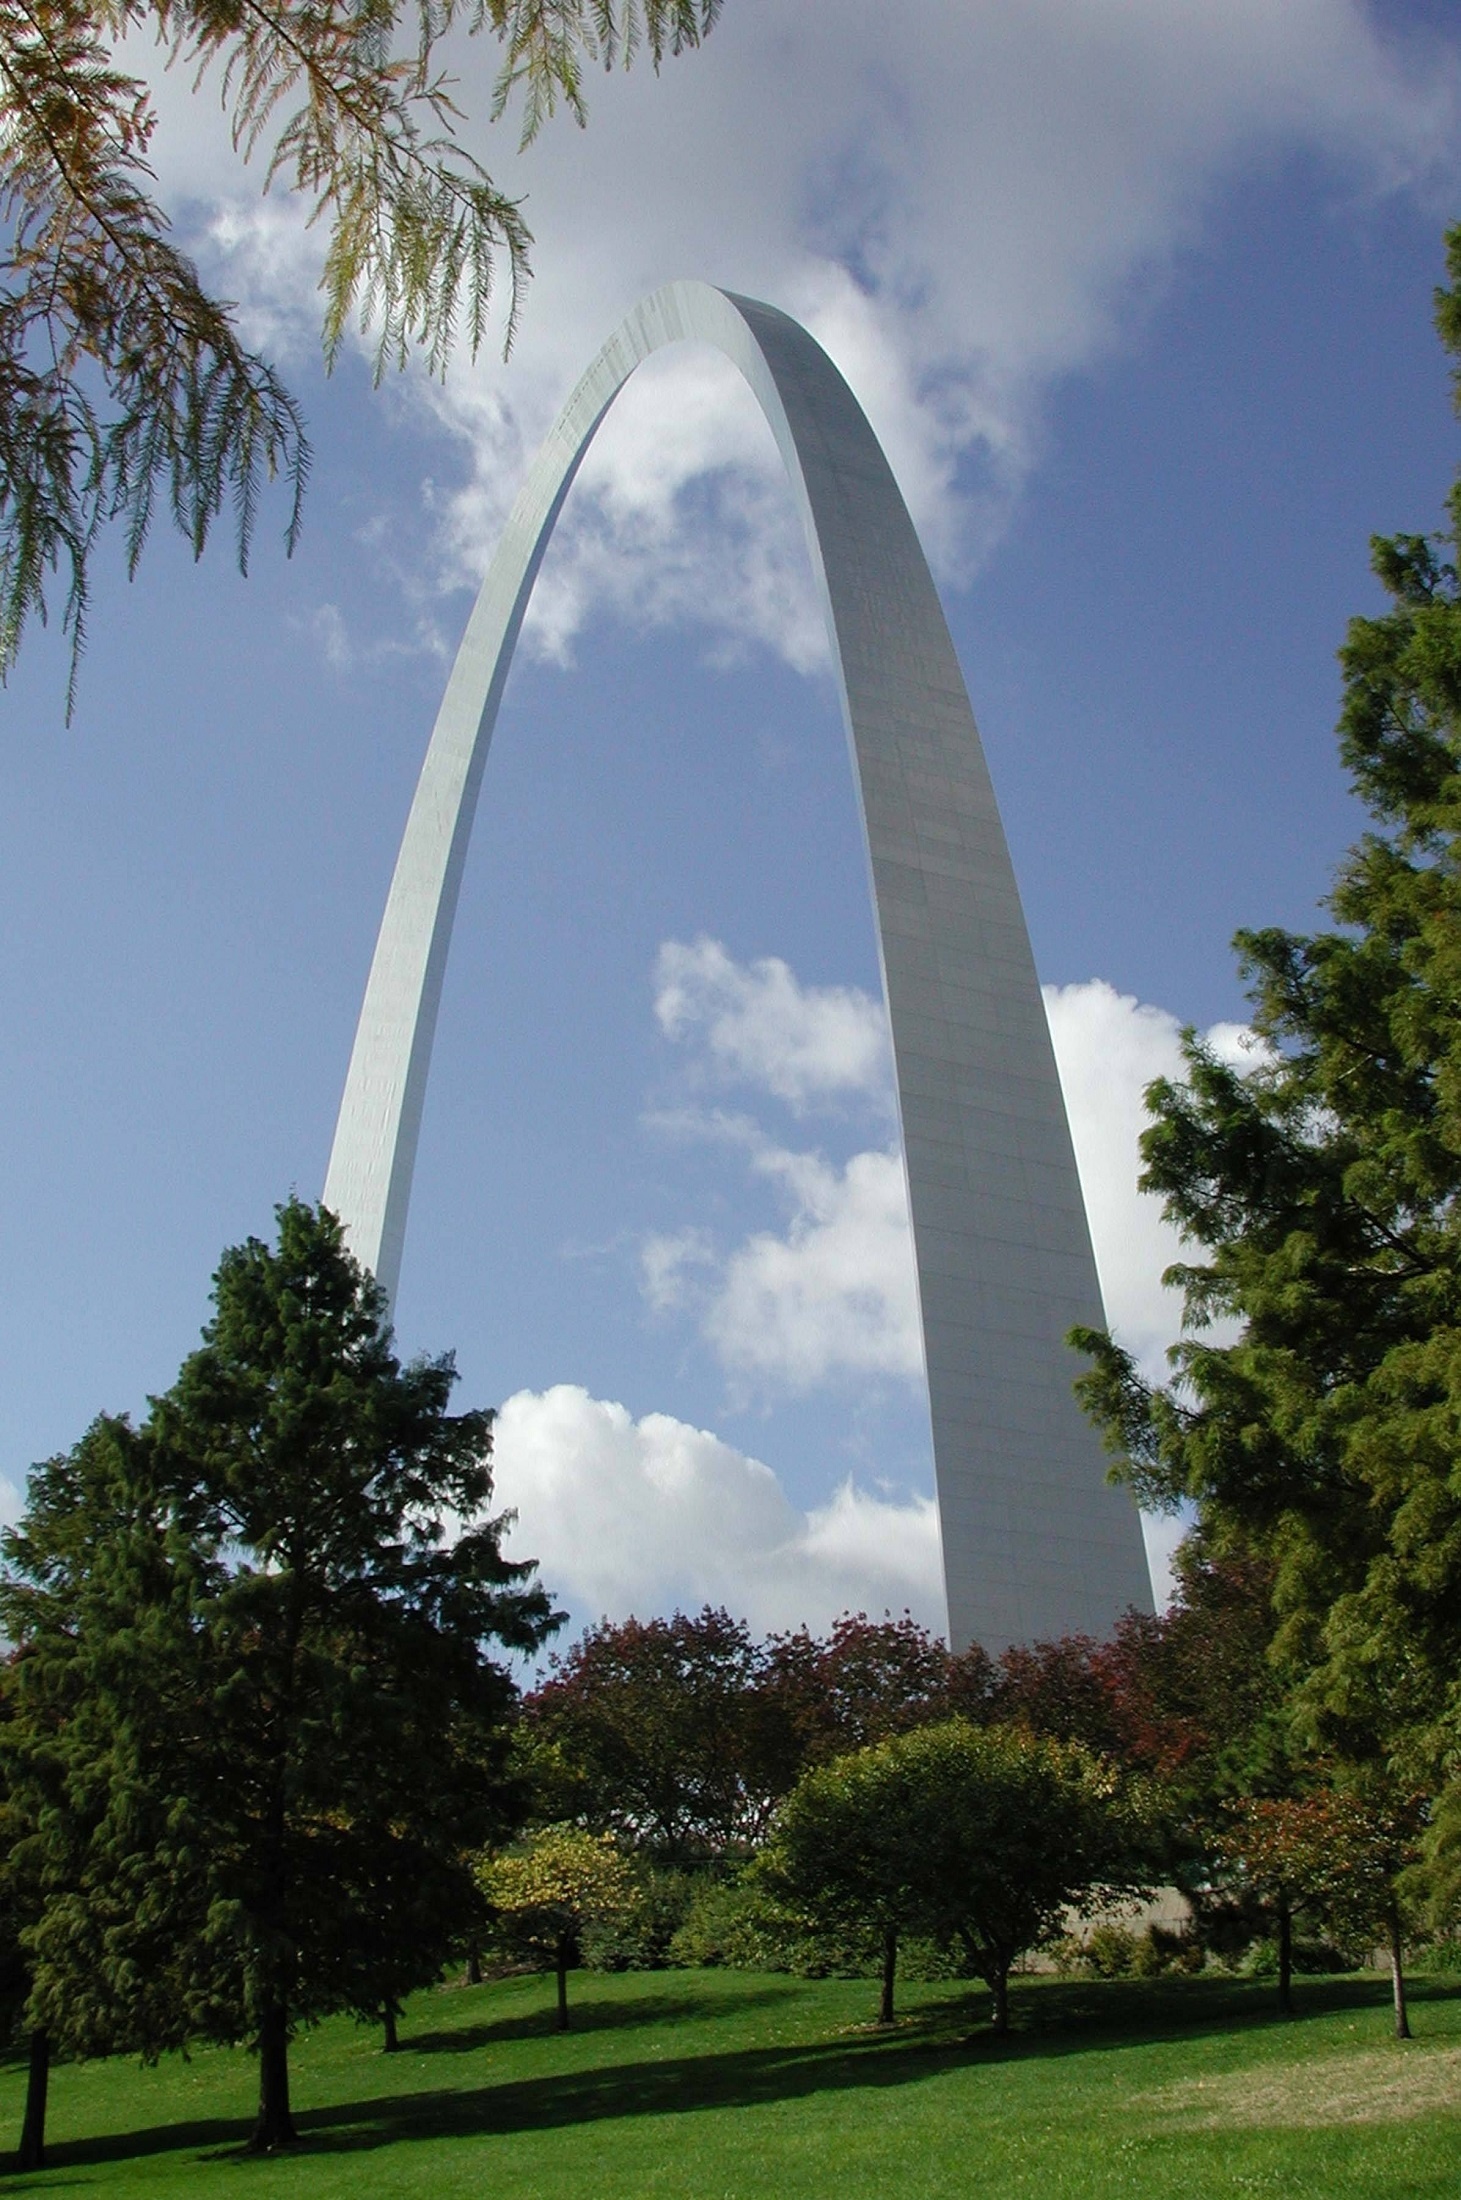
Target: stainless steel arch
x=1035, y=1542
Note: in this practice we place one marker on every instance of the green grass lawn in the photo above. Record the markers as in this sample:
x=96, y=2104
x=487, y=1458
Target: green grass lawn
x=714, y=2085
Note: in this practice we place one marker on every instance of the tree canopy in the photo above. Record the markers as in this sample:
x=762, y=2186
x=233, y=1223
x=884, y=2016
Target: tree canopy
x=682, y=1734
x=101, y=1708
x=981, y=1837
x=259, y=1724
x=1320, y=1191
x=124, y=384
x=548, y=1890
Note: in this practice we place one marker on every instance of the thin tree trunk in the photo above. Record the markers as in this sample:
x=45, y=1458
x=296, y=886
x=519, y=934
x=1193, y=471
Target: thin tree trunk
x=275, y=2126
x=1397, y=1976
x=37, y=2084
x=1285, y=1956
x=388, y=2024
x=1000, y=1987
x=890, y=1973
x=563, y=1985
x=474, y=1966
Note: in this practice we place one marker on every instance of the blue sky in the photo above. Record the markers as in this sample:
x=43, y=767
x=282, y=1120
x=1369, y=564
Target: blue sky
x=1138, y=295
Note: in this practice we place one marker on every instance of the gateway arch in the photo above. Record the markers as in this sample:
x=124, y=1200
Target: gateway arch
x=1036, y=1542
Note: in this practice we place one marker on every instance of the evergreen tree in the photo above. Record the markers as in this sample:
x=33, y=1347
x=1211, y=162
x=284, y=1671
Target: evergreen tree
x=281, y=1731
x=101, y=1716
x=1319, y=1191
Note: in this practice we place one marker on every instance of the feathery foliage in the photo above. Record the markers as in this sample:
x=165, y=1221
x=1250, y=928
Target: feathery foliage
x=123, y=383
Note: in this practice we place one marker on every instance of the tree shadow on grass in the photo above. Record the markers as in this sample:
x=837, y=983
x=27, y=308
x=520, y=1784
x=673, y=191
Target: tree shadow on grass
x=590, y=2015
x=1080, y=2016
x=670, y=2085
x=1057, y=2020
x=219, y=2133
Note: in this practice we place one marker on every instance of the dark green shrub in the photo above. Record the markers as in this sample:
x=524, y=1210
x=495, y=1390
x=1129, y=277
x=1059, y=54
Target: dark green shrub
x=1442, y=1954
x=1111, y=1951
x=641, y=1940
x=1173, y=1949
x=729, y=1924
x=1116, y=1951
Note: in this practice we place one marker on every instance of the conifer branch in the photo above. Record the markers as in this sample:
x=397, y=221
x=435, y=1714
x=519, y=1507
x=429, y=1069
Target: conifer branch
x=122, y=381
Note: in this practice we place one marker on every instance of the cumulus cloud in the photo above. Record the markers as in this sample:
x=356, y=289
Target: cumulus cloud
x=835, y=1294
x=962, y=214
x=1109, y=1047
x=832, y=1294
x=757, y=1024
x=629, y=1515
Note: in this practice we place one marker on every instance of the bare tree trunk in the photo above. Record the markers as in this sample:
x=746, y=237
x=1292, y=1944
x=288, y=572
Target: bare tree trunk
x=1000, y=1987
x=275, y=2125
x=890, y=1973
x=473, y=1975
x=37, y=2085
x=1285, y=1956
x=563, y=1985
x=1397, y=1975
x=388, y=2025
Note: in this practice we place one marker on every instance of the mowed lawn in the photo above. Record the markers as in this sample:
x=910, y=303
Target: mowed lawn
x=718, y=2085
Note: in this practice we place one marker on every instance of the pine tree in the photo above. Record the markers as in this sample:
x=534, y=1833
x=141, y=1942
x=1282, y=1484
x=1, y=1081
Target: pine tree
x=281, y=1733
x=1320, y=1190
x=358, y=1724
x=100, y=1721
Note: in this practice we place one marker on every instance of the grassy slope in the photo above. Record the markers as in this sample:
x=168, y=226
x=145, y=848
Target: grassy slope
x=722, y=2086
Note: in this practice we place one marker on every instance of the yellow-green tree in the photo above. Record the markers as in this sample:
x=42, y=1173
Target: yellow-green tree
x=981, y=1838
x=550, y=1888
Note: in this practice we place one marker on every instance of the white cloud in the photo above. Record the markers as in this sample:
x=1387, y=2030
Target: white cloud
x=832, y=1296
x=832, y=1293
x=639, y=1516
x=1109, y=1047
x=964, y=205
x=757, y=1024
x=836, y=1294
x=666, y=1263
x=345, y=651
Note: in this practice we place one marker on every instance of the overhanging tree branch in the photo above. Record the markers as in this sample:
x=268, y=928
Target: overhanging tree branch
x=120, y=376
